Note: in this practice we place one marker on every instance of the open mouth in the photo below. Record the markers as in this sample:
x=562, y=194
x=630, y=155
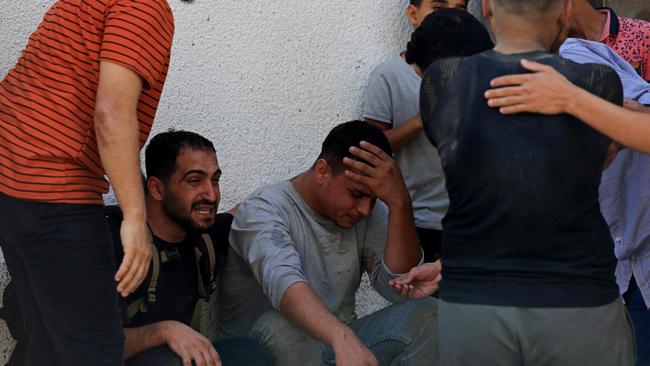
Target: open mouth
x=205, y=210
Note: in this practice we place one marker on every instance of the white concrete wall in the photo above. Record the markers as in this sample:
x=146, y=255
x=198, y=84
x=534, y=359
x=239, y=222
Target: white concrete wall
x=264, y=80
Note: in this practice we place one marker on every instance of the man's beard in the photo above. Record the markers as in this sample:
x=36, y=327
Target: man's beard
x=183, y=218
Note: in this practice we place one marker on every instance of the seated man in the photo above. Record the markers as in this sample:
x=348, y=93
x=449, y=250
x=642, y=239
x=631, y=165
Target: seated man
x=527, y=258
x=298, y=249
x=182, y=196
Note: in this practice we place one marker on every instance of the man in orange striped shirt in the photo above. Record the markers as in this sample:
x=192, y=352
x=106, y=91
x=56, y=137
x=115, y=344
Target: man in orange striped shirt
x=78, y=105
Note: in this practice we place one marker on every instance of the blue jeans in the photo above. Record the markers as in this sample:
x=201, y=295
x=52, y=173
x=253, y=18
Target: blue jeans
x=233, y=352
x=641, y=320
x=60, y=257
x=401, y=334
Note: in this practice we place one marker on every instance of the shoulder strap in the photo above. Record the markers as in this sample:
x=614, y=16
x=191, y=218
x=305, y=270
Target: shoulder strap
x=212, y=257
x=211, y=253
x=140, y=304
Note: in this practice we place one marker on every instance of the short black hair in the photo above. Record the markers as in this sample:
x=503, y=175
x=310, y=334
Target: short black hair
x=338, y=142
x=417, y=3
x=164, y=148
x=528, y=7
x=447, y=33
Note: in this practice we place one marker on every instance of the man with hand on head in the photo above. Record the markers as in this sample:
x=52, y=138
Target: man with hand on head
x=190, y=242
x=298, y=249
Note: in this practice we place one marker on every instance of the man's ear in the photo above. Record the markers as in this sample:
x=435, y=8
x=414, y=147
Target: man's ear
x=568, y=12
x=322, y=171
x=411, y=11
x=155, y=188
x=487, y=8
x=487, y=12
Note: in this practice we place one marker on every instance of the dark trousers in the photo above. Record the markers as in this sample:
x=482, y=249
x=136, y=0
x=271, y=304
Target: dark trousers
x=60, y=256
x=430, y=243
x=233, y=352
x=641, y=320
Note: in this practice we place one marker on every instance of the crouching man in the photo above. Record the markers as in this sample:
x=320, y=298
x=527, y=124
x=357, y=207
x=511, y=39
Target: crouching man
x=298, y=249
x=190, y=240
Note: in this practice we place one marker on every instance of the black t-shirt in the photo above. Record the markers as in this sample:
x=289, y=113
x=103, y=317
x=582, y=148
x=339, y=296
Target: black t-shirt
x=524, y=226
x=177, y=291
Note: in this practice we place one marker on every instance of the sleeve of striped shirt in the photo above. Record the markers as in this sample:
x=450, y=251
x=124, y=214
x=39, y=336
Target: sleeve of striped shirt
x=138, y=35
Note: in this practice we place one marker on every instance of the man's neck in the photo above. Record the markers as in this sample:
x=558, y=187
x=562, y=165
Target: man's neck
x=162, y=225
x=587, y=22
x=518, y=35
x=305, y=186
x=415, y=67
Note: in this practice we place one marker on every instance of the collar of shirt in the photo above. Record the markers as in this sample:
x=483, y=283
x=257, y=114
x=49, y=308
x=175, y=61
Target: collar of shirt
x=583, y=51
x=612, y=25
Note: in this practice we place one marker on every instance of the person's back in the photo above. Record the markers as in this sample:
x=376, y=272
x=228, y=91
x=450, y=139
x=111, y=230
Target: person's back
x=528, y=262
x=524, y=211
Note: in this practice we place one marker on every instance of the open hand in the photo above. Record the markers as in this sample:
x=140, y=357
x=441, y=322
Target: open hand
x=544, y=91
x=419, y=282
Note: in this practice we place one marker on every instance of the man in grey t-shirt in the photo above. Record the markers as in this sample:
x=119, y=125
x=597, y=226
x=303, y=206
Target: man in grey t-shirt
x=298, y=249
x=392, y=100
x=393, y=104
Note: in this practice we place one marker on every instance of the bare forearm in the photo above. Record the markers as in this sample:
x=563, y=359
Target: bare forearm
x=401, y=135
x=630, y=128
x=119, y=147
x=402, y=245
x=140, y=339
x=302, y=305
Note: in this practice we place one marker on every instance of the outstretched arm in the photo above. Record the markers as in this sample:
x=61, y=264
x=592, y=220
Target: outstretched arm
x=546, y=91
x=419, y=282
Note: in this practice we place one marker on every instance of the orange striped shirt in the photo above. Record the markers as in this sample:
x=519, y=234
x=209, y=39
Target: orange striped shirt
x=48, y=147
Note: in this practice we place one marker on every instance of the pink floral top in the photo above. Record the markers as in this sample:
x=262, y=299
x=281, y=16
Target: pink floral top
x=630, y=38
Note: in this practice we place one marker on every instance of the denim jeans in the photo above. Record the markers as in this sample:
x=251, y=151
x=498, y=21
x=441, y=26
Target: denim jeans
x=60, y=257
x=233, y=352
x=641, y=320
x=401, y=334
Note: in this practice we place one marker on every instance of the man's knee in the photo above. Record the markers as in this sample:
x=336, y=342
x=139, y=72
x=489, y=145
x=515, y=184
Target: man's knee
x=159, y=356
x=404, y=333
x=272, y=328
x=418, y=316
x=283, y=339
x=243, y=351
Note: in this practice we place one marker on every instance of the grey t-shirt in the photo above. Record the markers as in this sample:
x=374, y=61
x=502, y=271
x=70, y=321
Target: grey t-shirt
x=277, y=240
x=394, y=98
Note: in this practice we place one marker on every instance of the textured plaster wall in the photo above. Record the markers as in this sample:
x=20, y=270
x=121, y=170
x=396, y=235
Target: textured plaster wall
x=264, y=80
